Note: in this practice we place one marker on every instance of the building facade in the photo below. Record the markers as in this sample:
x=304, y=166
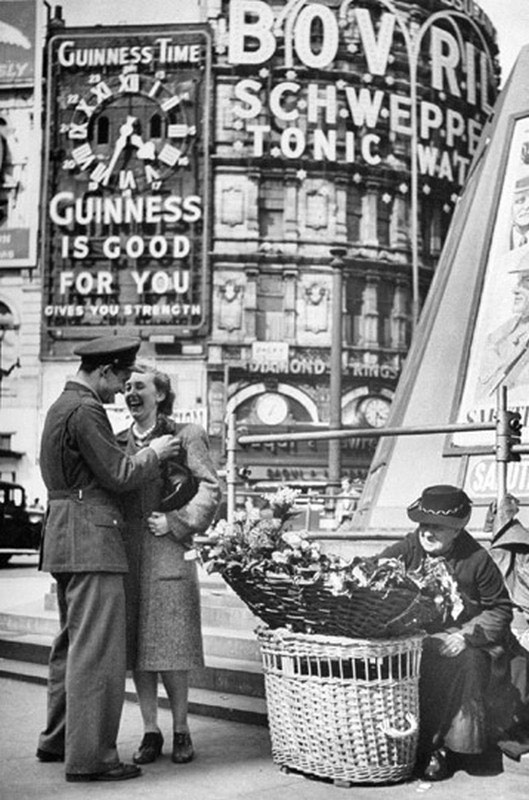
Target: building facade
x=195, y=181
x=315, y=145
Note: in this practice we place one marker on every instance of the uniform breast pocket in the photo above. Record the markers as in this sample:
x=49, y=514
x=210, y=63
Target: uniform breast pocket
x=106, y=530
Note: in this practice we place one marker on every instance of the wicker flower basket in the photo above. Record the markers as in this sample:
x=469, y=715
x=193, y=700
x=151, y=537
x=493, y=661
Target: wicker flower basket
x=308, y=607
x=342, y=709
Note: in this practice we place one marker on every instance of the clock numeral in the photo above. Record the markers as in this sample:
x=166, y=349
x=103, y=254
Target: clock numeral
x=78, y=131
x=95, y=78
x=126, y=179
x=151, y=175
x=129, y=83
x=84, y=108
x=169, y=155
x=100, y=174
x=177, y=131
x=83, y=156
x=172, y=102
x=101, y=91
x=64, y=127
x=69, y=164
x=72, y=99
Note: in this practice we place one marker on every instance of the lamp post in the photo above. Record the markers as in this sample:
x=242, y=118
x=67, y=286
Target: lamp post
x=413, y=33
x=335, y=388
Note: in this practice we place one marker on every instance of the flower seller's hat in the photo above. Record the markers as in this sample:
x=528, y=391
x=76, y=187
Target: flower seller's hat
x=119, y=351
x=442, y=505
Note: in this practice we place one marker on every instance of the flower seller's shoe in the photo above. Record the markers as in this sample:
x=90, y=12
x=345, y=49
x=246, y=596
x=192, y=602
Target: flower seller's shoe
x=149, y=749
x=183, y=751
x=437, y=768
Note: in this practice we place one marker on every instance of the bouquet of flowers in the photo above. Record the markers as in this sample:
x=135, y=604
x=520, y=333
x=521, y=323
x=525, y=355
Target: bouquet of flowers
x=287, y=580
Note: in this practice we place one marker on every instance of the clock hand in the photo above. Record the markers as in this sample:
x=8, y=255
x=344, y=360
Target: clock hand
x=125, y=132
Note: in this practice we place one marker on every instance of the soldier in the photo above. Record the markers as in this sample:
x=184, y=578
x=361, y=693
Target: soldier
x=85, y=472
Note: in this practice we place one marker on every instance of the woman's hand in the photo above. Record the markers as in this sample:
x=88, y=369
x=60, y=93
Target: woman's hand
x=158, y=524
x=453, y=645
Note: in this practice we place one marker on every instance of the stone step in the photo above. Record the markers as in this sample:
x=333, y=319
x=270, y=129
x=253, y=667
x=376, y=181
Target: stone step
x=205, y=702
x=219, y=674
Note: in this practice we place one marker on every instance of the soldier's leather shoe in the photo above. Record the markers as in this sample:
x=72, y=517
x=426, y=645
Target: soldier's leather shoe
x=46, y=756
x=121, y=772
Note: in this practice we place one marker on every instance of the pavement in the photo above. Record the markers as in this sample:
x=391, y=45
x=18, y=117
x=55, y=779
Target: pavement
x=234, y=760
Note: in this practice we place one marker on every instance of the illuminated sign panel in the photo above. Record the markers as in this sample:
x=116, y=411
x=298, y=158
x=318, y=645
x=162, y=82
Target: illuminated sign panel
x=333, y=85
x=18, y=26
x=20, y=132
x=126, y=224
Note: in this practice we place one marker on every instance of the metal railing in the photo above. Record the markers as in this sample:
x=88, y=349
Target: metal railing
x=500, y=449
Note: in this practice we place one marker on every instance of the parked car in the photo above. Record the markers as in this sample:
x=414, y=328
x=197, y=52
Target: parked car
x=20, y=526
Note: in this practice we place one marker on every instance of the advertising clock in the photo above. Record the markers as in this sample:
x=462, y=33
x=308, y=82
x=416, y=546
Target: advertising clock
x=130, y=132
x=272, y=408
x=375, y=411
x=126, y=217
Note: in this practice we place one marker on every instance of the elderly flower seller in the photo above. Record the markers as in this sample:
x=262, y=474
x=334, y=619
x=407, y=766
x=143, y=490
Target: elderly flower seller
x=460, y=663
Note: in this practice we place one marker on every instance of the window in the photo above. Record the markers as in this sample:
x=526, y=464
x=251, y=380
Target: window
x=102, y=130
x=353, y=213
x=384, y=206
x=271, y=207
x=5, y=441
x=155, y=127
x=270, y=314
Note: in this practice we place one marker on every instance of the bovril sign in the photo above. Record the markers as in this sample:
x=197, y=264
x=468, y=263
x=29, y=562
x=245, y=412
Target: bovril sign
x=282, y=111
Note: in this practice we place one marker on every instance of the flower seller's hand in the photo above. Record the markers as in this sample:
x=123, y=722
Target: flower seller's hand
x=158, y=524
x=453, y=645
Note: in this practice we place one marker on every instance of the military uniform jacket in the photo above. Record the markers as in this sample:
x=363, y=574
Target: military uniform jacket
x=85, y=472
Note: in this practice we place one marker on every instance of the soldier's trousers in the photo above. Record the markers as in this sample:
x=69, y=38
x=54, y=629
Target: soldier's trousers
x=86, y=684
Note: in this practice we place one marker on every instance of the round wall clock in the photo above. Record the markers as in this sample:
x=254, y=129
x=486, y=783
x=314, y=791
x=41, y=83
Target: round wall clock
x=130, y=132
x=375, y=411
x=271, y=408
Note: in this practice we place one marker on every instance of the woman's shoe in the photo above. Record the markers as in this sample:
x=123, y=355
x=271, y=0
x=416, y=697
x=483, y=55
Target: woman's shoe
x=149, y=749
x=437, y=768
x=182, y=748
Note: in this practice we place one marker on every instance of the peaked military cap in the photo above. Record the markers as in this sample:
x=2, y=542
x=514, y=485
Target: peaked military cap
x=120, y=351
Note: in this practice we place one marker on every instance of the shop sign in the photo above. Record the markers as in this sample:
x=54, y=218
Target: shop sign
x=126, y=217
x=282, y=112
x=18, y=51
x=270, y=353
x=481, y=484
x=293, y=366
x=20, y=131
x=360, y=370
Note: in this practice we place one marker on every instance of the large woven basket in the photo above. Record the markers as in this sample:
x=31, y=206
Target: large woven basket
x=311, y=608
x=342, y=709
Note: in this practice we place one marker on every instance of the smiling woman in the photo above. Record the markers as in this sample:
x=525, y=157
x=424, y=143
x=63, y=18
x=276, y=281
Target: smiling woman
x=163, y=601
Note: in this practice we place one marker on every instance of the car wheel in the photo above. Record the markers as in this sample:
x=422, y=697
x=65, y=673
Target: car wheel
x=4, y=560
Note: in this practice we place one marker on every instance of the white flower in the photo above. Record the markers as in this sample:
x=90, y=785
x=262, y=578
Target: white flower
x=292, y=538
x=279, y=558
x=334, y=582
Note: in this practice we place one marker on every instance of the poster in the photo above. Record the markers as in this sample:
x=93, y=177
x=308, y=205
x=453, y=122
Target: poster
x=499, y=353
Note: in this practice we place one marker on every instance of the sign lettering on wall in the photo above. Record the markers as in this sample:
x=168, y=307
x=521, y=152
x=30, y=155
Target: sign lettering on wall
x=283, y=111
x=125, y=223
